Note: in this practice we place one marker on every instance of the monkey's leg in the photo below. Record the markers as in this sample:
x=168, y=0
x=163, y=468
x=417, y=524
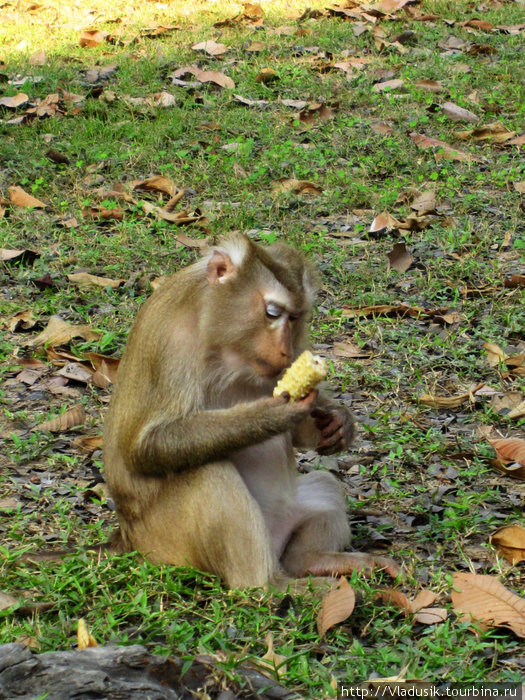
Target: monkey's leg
x=207, y=518
x=315, y=546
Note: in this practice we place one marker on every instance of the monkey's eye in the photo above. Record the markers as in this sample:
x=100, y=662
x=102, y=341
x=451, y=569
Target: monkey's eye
x=273, y=311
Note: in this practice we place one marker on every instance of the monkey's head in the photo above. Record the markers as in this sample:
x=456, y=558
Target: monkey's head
x=258, y=305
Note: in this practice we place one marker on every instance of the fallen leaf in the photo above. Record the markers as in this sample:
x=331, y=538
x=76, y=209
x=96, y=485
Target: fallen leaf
x=84, y=637
x=495, y=355
x=495, y=132
x=382, y=128
x=38, y=58
x=348, y=349
x=276, y=663
x=431, y=616
x=509, y=450
x=71, y=418
x=479, y=24
x=515, y=281
x=14, y=101
x=384, y=222
x=7, y=505
x=298, y=186
x=103, y=364
x=518, y=411
x=210, y=47
x=251, y=103
x=58, y=332
x=336, y=606
x=84, y=279
x=458, y=114
x=399, y=258
x=21, y=321
x=266, y=75
x=76, y=372
x=204, y=76
x=447, y=151
x=510, y=543
x=57, y=157
x=91, y=38
x=485, y=599
x=396, y=310
x=103, y=214
x=424, y=203
x=450, y=401
x=20, y=198
x=157, y=183
x=88, y=443
x=389, y=85
x=429, y=85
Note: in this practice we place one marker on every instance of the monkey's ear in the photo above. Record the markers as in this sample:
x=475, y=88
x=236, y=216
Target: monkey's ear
x=220, y=268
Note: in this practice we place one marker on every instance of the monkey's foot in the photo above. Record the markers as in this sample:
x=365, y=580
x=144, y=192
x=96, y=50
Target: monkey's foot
x=342, y=563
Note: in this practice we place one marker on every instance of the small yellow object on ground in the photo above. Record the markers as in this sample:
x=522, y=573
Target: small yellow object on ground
x=299, y=379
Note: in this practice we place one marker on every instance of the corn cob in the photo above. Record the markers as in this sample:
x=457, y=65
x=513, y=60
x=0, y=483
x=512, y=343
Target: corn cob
x=299, y=379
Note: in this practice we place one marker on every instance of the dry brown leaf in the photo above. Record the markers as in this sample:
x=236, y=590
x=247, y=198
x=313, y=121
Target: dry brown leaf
x=179, y=218
x=84, y=637
x=518, y=411
x=486, y=600
x=450, y=401
x=38, y=58
x=315, y=111
x=205, y=76
x=399, y=310
x=103, y=214
x=518, y=141
x=425, y=203
x=458, y=114
x=495, y=355
x=285, y=184
x=388, y=85
x=447, y=151
x=72, y=418
x=347, y=349
x=75, y=371
x=22, y=321
x=91, y=38
x=429, y=85
x=256, y=47
x=336, y=606
x=382, y=128
x=88, y=443
x=6, y=600
x=212, y=48
x=158, y=183
x=10, y=255
x=58, y=332
x=266, y=75
x=509, y=450
x=431, y=616
x=510, y=543
x=384, y=222
x=108, y=365
x=19, y=198
x=84, y=279
x=515, y=280
x=399, y=258
x=496, y=132
x=424, y=599
x=14, y=101
x=275, y=663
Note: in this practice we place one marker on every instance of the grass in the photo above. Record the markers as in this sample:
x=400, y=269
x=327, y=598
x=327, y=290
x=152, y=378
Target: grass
x=419, y=481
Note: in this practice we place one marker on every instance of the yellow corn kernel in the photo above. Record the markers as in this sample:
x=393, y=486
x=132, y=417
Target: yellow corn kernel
x=299, y=379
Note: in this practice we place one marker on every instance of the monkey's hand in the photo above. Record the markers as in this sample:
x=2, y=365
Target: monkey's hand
x=297, y=410
x=337, y=427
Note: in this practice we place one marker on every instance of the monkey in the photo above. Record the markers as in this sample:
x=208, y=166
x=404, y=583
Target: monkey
x=199, y=456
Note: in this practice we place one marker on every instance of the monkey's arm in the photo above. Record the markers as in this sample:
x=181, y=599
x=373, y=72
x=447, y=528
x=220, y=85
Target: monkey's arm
x=330, y=428
x=166, y=445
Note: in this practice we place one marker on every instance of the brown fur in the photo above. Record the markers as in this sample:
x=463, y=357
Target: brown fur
x=198, y=455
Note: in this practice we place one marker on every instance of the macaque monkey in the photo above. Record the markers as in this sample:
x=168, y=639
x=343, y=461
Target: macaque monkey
x=198, y=454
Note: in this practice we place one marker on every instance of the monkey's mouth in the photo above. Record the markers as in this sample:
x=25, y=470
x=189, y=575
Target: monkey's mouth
x=265, y=369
